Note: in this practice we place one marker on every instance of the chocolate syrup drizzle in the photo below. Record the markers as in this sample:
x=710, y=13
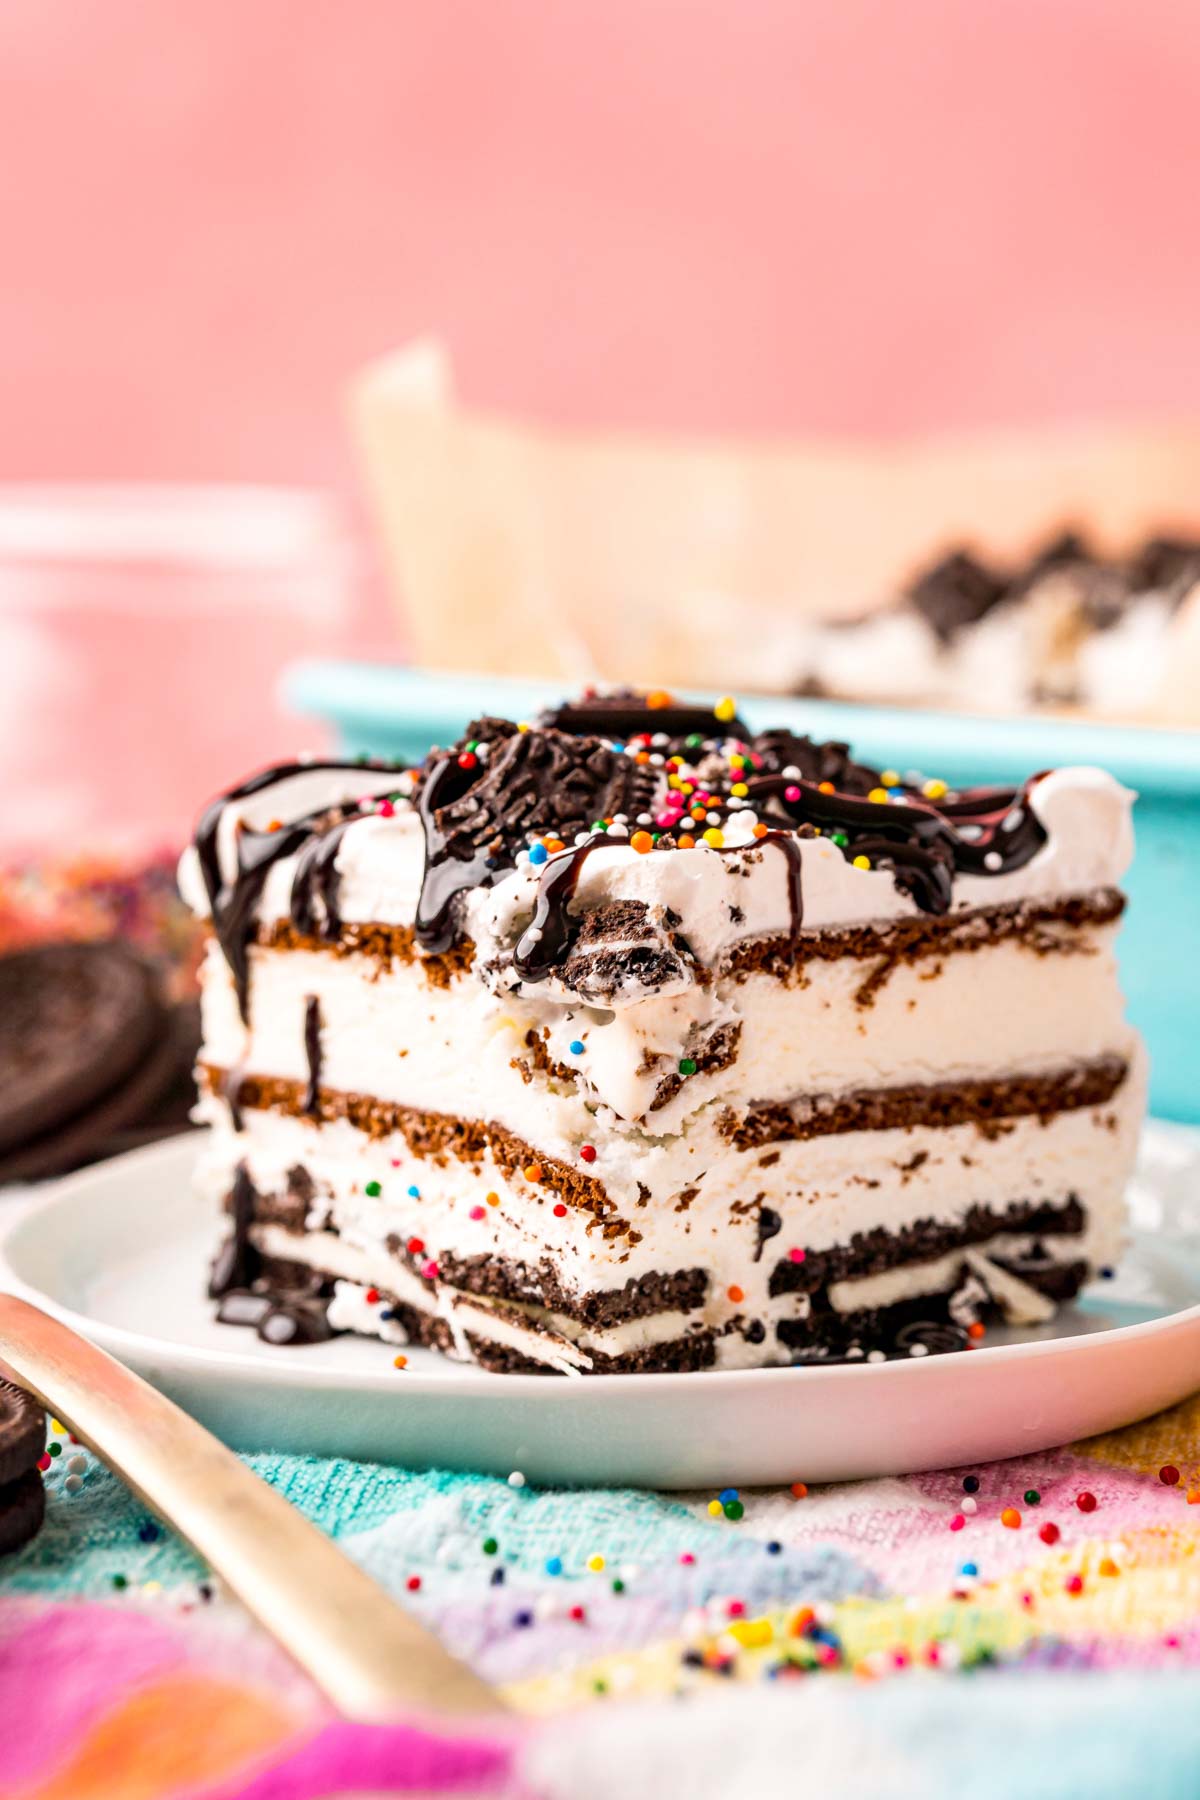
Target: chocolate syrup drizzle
x=279, y=1317
x=312, y=1052
x=236, y=1263
x=448, y=872
x=546, y=940
x=769, y=1225
x=989, y=832
x=232, y=904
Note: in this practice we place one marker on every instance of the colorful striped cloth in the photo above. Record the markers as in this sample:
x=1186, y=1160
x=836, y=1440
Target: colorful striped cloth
x=1030, y=1627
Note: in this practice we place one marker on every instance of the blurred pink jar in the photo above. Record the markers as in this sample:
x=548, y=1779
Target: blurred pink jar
x=142, y=633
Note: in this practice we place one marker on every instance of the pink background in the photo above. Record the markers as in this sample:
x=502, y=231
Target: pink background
x=843, y=216
x=847, y=215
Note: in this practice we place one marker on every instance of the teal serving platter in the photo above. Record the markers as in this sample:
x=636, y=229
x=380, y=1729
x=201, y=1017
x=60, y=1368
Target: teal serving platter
x=387, y=710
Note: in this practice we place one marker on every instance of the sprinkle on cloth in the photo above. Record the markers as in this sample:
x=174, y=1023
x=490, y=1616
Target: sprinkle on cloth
x=120, y=1654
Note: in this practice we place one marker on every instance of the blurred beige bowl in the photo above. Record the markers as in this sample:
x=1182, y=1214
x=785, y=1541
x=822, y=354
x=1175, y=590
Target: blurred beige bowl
x=520, y=549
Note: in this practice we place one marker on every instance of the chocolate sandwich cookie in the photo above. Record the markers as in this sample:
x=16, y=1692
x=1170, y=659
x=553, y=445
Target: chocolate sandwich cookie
x=22, y=1440
x=75, y=1020
x=88, y=1051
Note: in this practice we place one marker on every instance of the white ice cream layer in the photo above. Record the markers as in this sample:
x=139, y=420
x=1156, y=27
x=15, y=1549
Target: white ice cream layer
x=387, y=1032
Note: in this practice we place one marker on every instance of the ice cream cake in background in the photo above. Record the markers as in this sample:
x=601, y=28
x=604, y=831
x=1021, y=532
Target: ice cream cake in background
x=1067, y=629
x=629, y=1040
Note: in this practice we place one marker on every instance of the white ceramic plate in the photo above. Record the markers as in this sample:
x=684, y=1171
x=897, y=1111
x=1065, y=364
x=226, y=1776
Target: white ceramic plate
x=120, y=1252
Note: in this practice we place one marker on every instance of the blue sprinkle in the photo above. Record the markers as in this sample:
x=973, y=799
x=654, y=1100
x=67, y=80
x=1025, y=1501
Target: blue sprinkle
x=968, y=1568
x=497, y=1577
x=618, y=747
x=414, y=1193
x=538, y=854
x=773, y=1548
x=554, y=1565
x=524, y=1617
x=726, y=1495
x=385, y=1312
x=576, y=1046
x=1107, y=1274
x=148, y=1532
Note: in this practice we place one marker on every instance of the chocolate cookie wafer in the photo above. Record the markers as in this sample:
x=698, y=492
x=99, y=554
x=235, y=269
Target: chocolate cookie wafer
x=88, y=1051
x=22, y=1440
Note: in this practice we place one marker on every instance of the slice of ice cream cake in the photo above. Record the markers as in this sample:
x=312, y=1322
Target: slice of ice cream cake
x=632, y=1040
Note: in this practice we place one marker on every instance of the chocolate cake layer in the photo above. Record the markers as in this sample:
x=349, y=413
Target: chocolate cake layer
x=1044, y=927
x=528, y=1299
x=984, y=1104
x=438, y=1136
x=925, y=1325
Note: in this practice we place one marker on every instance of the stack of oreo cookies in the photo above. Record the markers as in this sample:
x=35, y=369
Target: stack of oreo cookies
x=93, y=1058
x=22, y=1443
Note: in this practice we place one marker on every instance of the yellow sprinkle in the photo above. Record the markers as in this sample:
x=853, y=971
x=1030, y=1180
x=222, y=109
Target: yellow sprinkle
x=715, y=1509
x=934, y=790
x=889, y=778
x=726, y=708
x=687, y=787
x=714, y=838
x=752, y=1634
x=879, y=795
x=595, y=1564
x=522, y=726
x=673, y=781
x=862, y=862
x=740, y=789
x=152, y=1587
x=737, y=761
x=60, y=1429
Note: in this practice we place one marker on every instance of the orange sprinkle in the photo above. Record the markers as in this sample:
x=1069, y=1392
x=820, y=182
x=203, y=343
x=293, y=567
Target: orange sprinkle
x=799, y=1490
x=1193, y=1498
x=735, y=1294
x=1011, y=1517
x=275, y=825
x=1108, y=1566
x=399, y=1362
x=552, y=844
x=641, y=841
x=643, y=756
x=532, y=1171
x=657, y=698
x=492, y=1199
x=826, y=787
x=802, y=1621
x=761, y=830
x=687, y=841
x=976, y=1329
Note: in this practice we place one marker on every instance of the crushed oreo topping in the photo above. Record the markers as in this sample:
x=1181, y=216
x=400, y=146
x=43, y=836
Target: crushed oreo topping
x=552, y=793
x=962, y=588
x=477, y=813
x=957, y=591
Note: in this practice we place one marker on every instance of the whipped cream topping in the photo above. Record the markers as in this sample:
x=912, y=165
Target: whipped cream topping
x=712, y=899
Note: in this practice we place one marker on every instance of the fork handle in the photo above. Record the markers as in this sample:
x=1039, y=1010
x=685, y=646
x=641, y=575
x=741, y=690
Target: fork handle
x=366, y=1654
